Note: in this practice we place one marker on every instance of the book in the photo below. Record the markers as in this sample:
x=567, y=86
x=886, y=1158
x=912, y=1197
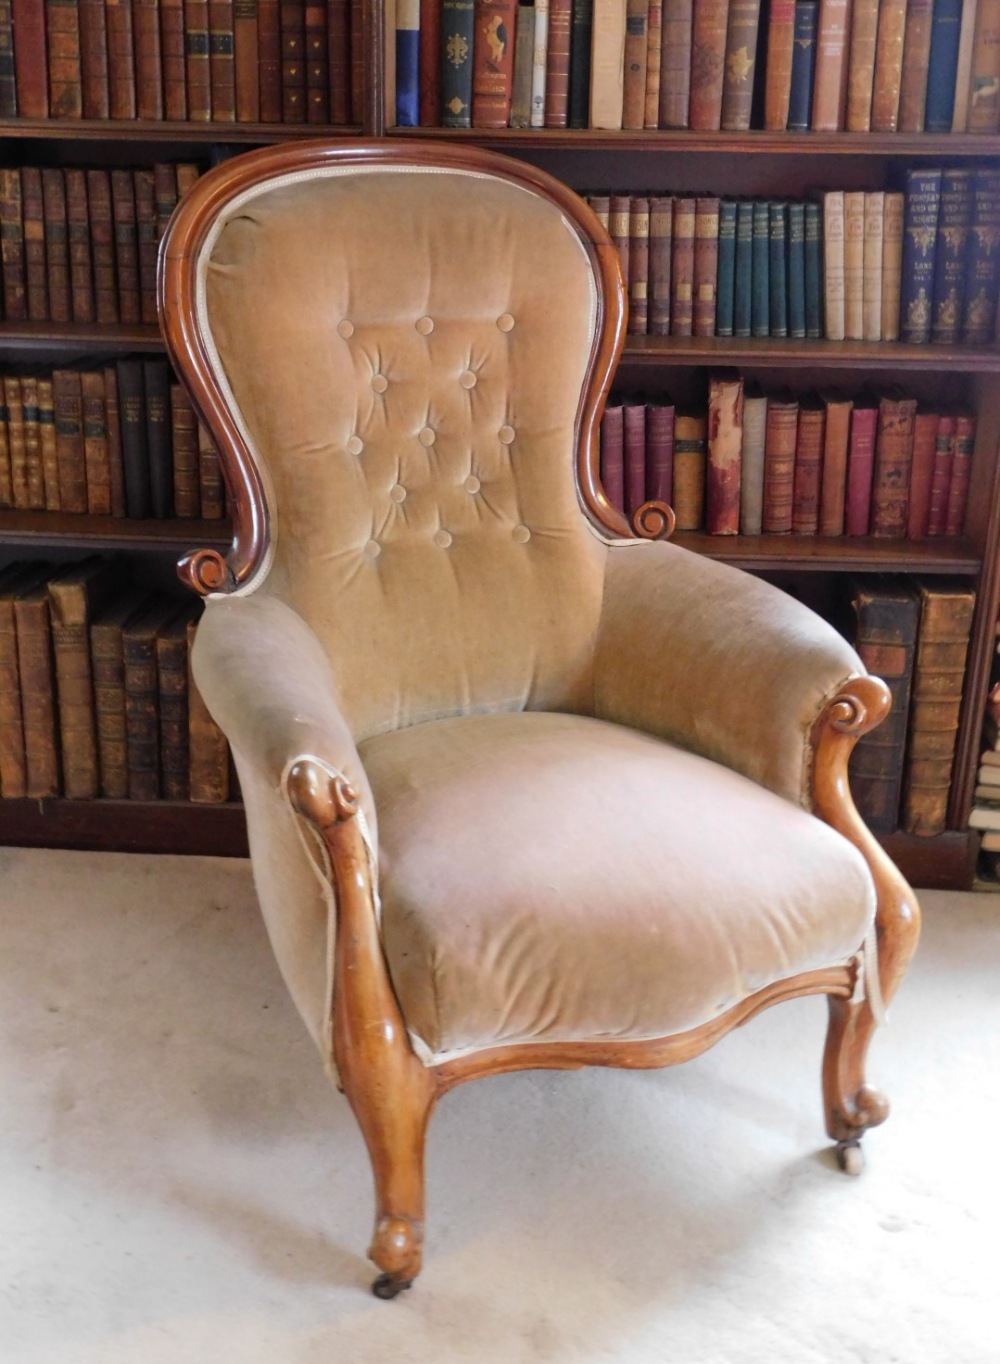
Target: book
x=740, y=64
x=102, y=246
x=33, y=227
x=803, y=65
x=636, y=50
x=121, y=59
x=916, y=60
x=32, y=443
x=923, y=201
x=893, y=461
x=706, y=265
x=760, y=277
x=211, y=489
x=208, y=750
x=634, y=415
x=156, y=393
x=983, y=259
x=638, y=267
x=96, y=458
x=778, y=71
x=829, y=106
x=836, y=442
x=6, y=476
x=925, y=429
x=56, y=244
x=887, y=614
x=112, y=421
x=36, y=676
x=269, y=60
x=796, y=270
x=942, y=65
x=524, y=51
x=892, y=264
x=725, y=441
x=675, y=63
x=682, y=269
x=47, y=436
x=142, y=697
x=833, y=265
x=146, y=55
x=293, y=64
x=743, y=274
x=709, y=25
x=752, y=459
x=580, y=45
x=888, y=66
x=31, y=70
x=690, y=457
x=184, y=451
x=654, y=53
x=860, y=466
x=16, y=580
x=779, y=463
x=944, y=449
x=984, y=87
x=607, y=64
x=492, y=64
x=17, y=454
x=854, y=264
x=540, y=57
x=557, y=64
x=74, y=596
x=861, y=64
x=126, y=246
x=963, y=449
x=807, y=474
x=108, y=680
x=660, y=452
x=67, y=392
x=954, y=219
x=726, y=272
x=173, y=56
x=815, y=288
x=15, y=290
x=612, y=463
x=619, y=229
x=8, y=85
x=144, y=190
x=317, y=62
x=172, y=698
x=81, y=273
x=457, y=38
x=134, y=434
x=963, y=66
x=873, y=251
x=407, y=47
x=429, y=64
x=777, y=281
x=661, y=230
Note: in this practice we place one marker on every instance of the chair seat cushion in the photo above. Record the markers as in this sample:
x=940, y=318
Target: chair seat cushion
x=551, y=877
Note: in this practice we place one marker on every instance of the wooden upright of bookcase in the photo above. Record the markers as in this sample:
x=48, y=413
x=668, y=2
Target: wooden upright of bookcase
x=752, y=163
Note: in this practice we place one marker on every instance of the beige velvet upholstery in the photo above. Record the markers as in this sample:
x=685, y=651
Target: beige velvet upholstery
x=584, y=764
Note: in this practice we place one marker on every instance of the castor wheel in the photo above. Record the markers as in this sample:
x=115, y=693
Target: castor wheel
x=850, y=1157
x=385, y=1286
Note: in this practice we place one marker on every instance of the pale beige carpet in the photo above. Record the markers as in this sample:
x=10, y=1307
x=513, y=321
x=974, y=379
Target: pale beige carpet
x=178, y=1183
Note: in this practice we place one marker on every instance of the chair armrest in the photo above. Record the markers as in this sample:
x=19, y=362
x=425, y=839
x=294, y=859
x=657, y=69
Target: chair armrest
x=716, y=661
x=269, y=685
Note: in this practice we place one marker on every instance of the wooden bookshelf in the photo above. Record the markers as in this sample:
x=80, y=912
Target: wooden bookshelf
x=63, y=530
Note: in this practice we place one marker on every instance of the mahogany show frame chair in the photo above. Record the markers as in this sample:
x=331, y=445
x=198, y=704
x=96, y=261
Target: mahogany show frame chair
x=525, y=785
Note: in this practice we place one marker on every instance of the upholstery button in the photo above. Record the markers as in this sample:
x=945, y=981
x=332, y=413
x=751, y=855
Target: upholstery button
x=467, y=379
x=426, y=436
x=355, y=445
x=380, y=383
x=506, y=435
x=505, y=322
x=398, y=493
x=521, y=534
x=472, y=484
x=424, y=325
x=373, y=549
x=345, y=328
x=442, y=538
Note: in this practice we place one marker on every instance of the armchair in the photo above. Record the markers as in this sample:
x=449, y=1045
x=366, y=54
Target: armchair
x=525, y=786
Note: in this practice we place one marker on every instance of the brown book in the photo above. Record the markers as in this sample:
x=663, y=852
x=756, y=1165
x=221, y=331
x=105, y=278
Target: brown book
x=654, y=52
x=946, y=613
x=778, y=76
x=708, y=55
x=67, y=392
x=184, y=446
x=493, y=63
x=36, y=675
x=836, y=439
x=209, y=751
x=108, y=680
x=32, y=443
x=984, y=86
x=62, y=36
x=269, y=52
x=94, y=59
x=854, y=265
x=293, y=62
x=557, y=64
x=706, y=265
x=317, y=65
x=31, y=68
x=8, y=87
x=612, y=462
x=682, y=269
x=807, y=478
x=47, y=435
x=690, y=471
x=660, y=451
x=892, y=263
x=164, y=194
x=16, y=446
x=112, y=419
x=147, y=58
x=861, y=64
x=661, y=234
x=963, y=448
x=634, y=420
x=619, y=228
x=6, y=480
x=638, y=267
x=339, y=39
x=888, y=66
x=74, y=596
x=15, y=291
x=740, y=64
x=925, y=429
x=142, y=698
x=524, y=59
x=146, y=241
x=829, y=109
x=15, y=580
x=102, y=245
x=173, y=59
x=675, y=63
x=172, y=683
x=126, y=245
x=197, y=67
x=725, y=441
x=121, y=59
x=429, y=63
x=893, y=461
x=211, y=490
x=780, y=439
x=221, y=61
x=95, y=443
x=246, y=61
x=636, y=50
x=56, y=245
x=81, y=273
x=887, y=612
x=916, y=59
x=937, y=516
x=35, y=269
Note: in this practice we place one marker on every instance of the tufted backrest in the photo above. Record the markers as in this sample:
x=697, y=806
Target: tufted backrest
x=405, y=351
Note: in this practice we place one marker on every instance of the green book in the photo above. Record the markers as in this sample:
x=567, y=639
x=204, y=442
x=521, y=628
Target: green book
x=814, y=270
x=726, y=274
x=744, y=268
x=457, y=33
x=778, y=220
x=760, y=286
x=796, y=283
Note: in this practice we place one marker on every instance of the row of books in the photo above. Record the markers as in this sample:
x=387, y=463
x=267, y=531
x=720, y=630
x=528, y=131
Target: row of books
x=118, y=439
x=985, y=813
x=914, y=634
x=252, y=61
x=80, y=245
x=96, y=697
x=826, y=65
x=776, y=464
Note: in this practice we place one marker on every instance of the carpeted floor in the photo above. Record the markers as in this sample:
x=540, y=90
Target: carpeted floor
x=179, y=1184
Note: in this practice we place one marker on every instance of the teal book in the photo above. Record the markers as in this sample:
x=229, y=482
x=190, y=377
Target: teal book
x=725, y=287
x=983, y=263
x=950, y=253
x=760, y=287
x=777, y=287
x=942, y=67
x=796, y=284
x=744, y=268
x=457, y=34
x=920, y=227
x=803, y=65
x=814, y=270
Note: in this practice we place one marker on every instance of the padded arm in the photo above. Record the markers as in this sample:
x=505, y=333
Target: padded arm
x=716, y=661
x=268, y=683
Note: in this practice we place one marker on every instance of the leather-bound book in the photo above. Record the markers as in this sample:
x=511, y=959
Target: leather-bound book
x=74, y=596
x=318, y=64
x=15, y=290
x=888, y=66
x=126, y=245
x=557, y=64
x=580, y=42
x=777, y=215
x=690, y=459
x=135, y=449
x=942, y=65
x=16, y=448
x=854, y=264
x=829, y=108
x=102, y=245
x=62, y=34
x=725, y=302
x=743, y=277
x=142, y=719
x=638, y=267
x=32, y=443
x=925, y=429
x=30, y=59
x=156, y=384
x=634, y=421
x=660, y=451
x=963, y=66
x=963, y=449
x=173, y=58
x=457, y=38
x=815, y=287
x=95, y=443
x=797, y=270
x=269, y=53
x=338, y=36
x=752, y=459
x=923, y=202
x=833, y=480
x=682, y=269
x=121, y=59
x=654, y=57
x=67, y=392
x=636, y=47
x=806, y=484
x=613, y=454
x=984, y=88
x=209, y=751
x=760, y=281
x=15, y=580
x=954, y=221
x=146, y=241
x=164, y=194
x=740, y=66
x=916, y=60
x=778, y=74
x=893, y=461
x=607, y=64
x=661, y=237
x=892, y=263
x=81, y=272
x=946, y=613
x=47, y=435
x=492, y=63
x=861, y=65
x=780, y=439
x=710, y=21
x=35, y=271
x=8, y=82
x=197, y=62
x=429, y=67
x=725, y=443
x=871, y=270
x=944, y=449
x=211, y=488
x=293, y=61
x=108, y=680
x=601, y=206
x=246, y=61
x=390, y=113
x=112, y=419
x=6, y=479
x=983, y=263
x=184, y=448
x=706, y=265
x=619, y=226
x=56, y=244
x=524, y=56
x=833, y=264
x=675, y=63
x=407, y=60
x=36, y=675
x=148, y=64
x=803, y=65
x=887, y=614
x=172, y=682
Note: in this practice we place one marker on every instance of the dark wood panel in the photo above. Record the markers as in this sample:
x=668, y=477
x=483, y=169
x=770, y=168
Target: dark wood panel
x=48, y=337
x=944, y=862
x=845, y=554
x=41, y=530
x=160, y=131
x=799, y=354
x=125, y=826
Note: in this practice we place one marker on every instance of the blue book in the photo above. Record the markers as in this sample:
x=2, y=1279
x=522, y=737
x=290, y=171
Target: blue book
x=778, y=218
x=814, y=270
x=760, y=287
x=942, y=66
x=920, y=226
x=408, y=63
x=725, y=287
x=803, y=64
x=950, y=253
x=744, y=268
x=796, y=270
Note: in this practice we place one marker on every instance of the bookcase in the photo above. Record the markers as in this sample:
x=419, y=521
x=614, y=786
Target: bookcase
x=663, y=161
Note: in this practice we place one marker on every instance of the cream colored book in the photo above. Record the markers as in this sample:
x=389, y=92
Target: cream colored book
x=872, y=281
x=833, y=263
x=607, y=64
x=963, y=69
x=539, y=63
x=892, y=264
x=854, y=264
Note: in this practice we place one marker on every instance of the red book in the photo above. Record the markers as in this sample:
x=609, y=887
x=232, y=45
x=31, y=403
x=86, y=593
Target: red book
x=860, y=468
x=557, y=64
x=808, y=468
x=269, y=51
x=148, y=67
x=893, y=461
x=221, y=64
x=293, y=61
x=31, y=66
x=94, y=59
x=62, y=34
x=937, y=517
x=613, y=455
x=430, y=63
x=708, y=56
x=635, y=456
x=197, y=68
x=317, y=66
x=493, y=62
x=780, y=439
x=660, y=452
x=56, y=244
x=963, y=448
x=925, y=428
x=36, y=275
x=246, y=61
x=172, y=56
x=725, y=442
x=121, y=59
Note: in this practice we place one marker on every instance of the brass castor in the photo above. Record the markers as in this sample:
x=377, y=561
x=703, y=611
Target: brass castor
x=385, y=1286
x=850, y=1157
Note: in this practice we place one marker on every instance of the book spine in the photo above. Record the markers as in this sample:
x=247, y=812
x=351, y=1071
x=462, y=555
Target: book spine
x=172, y=57
x=814, y=271
x=156, y=391
x=184, y=449
x=171, y=675
x=635, y=456
x=109, y=708
x=752, y=463
x=888, y=66
x=942, y=65
x=963, y=66
x=760, y=284
x=690, y=451
x=660, y=452
x=135, y=456
x=654, y=55
x=34, y=661
x=208, y=750
x=605, y=76
x=95, y=443
x=318, y=63
x=619, y=228
x=860, y=470
x=803, y=64
x=102, y=245
x=13, y=772
x=925, y=429
x=725, y=441
x=743, y=281
x=613, y=454
x=871, y=304
x=211, y=489
x=457, y=39
x=47, y=435
x=833, y=264
x=148, y=65
x=726, y=276
x=62, y=34
x=16, y=449
x=144, y=189
x=636, y=49
x=484, y=67
x=15, y=291
x=893, y=461
x=661, y=230
x=607, y=65
x=708, y=55
x=32, y=444
x=429, y=66
x=833, y=480
x=778, y=75
x=524, y=44
x=682, y=269
x=35, y=272
x=75, y=691
x=293, y=62
x=81, y=275
x=777, y=282
x=67, y=392
x=797, y=270
x=706, y=265
x=221, y=60
x=126, y=246
x=983, y=263
x=984, y=87
x=112, y=420
x=31, y=68
x=121, y=57
x=141, y=713
x=854, y=264
x=56, y=245
x=675, y=63
x=779, y=466
x=357, y=59
x=923, y=201
x=950, y=254
x=829, y=107
x=269, y=61
x=739, y=67
x=8, y=82
x=557, y=67
x=963, y=448
x=937, y=515
x=638, y=267
x=861, y=65
x=892, y=264
x=809, y=442
x=6, y=474
x=916, y=60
